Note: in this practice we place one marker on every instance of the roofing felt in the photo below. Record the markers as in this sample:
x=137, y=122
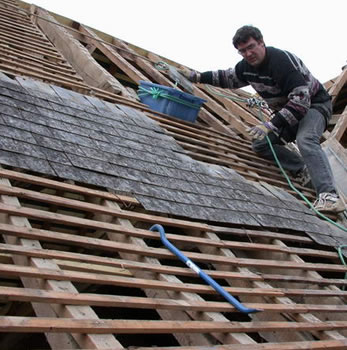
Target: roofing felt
x=118, y=147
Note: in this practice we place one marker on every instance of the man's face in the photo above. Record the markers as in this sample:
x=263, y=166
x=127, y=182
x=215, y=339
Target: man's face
x=252, y=51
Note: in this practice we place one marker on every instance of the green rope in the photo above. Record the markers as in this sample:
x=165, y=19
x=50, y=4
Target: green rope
x=158, y=93
x=161, y=65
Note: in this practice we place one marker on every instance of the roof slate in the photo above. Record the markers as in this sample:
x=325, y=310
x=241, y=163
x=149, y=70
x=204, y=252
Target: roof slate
x=53, y=131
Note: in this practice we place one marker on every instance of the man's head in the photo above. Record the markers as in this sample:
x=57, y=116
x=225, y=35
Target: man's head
x=249, y=42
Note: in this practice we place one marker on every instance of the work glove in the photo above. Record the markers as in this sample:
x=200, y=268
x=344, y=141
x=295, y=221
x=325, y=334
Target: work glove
x=191, y=75
x=258, y=132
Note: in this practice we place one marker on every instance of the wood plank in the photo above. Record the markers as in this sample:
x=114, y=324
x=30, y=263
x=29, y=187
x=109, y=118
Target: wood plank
x=78, y=56
x=25, y=31
x=94, y=208
x=67, y=340
x=221, y=155
x=36, y=58
x=247, y=233
x=38, y=67
x=112, y=55
x=87, y=267
x=129, y=282
x=21, y=43
x=158, y=252
x=197, y=137
x=340, y=128
x=338, y=85
x=42, y=296
x=180, y=271
x=39, y=325
x=20, y=66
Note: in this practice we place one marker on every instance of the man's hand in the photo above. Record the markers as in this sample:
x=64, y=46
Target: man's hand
x=258, y=132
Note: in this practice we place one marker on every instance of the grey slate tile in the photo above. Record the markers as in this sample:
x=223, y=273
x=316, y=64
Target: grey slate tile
x=72, y=138
x=55, y=156
x=10, y=110
x=16, y=134
x=27, y=162
x=119, y=147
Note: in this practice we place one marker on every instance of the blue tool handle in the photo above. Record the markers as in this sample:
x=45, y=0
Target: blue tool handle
x=201, y=273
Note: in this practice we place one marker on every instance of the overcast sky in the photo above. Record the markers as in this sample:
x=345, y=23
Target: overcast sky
x=198, y=33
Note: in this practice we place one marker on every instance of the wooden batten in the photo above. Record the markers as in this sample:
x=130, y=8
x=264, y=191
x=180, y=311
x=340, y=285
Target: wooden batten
x=126, y=256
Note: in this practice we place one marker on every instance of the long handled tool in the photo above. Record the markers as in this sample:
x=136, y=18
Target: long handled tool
x=201, y=273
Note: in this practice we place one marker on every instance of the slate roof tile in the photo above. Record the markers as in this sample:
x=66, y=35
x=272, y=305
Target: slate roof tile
x=26, y=161
x=73, y=138
x=55, y=156
x=16, y=134
x=10, y=111
x=120, y=148
x=27, y=126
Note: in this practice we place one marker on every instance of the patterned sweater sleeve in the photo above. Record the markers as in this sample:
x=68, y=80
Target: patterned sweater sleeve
x=297, y=84
x=223, y=78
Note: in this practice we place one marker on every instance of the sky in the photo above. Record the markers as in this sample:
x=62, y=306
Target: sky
x=198, y=33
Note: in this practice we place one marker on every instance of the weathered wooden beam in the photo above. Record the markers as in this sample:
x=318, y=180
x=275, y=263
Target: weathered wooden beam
x=158, y=252
x=338, y=85
x=77, y=55
x=39, y=325
x=95, y=208
x=66, y=340
x=170, y=270
x=340, y=127
x=112, y=55
x=65, y=298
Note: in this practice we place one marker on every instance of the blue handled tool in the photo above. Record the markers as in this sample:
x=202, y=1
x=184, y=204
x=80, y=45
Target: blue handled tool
x=201, y=273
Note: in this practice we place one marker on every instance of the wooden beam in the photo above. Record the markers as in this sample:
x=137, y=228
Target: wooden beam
x=39, y=325
x=67, y=340
x=340, y=127
x=112, y=55
x=115, y=301
x=338, y=85
x=180, y=271
x=78, y=56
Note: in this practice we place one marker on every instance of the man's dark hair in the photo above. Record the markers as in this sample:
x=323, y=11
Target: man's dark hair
x=244, y=33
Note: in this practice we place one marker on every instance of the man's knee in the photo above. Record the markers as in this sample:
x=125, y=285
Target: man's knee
x=307, y=142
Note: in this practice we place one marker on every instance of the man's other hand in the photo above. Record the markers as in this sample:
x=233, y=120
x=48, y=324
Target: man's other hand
x=260, y=131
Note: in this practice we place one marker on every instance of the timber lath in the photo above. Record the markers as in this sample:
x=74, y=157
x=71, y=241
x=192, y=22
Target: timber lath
x=80, y=265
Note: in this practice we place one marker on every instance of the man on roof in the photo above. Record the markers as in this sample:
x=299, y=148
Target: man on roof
x=301, y=105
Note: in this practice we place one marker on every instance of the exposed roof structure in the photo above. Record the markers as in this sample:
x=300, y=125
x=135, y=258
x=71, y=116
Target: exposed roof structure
x=86, y=169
